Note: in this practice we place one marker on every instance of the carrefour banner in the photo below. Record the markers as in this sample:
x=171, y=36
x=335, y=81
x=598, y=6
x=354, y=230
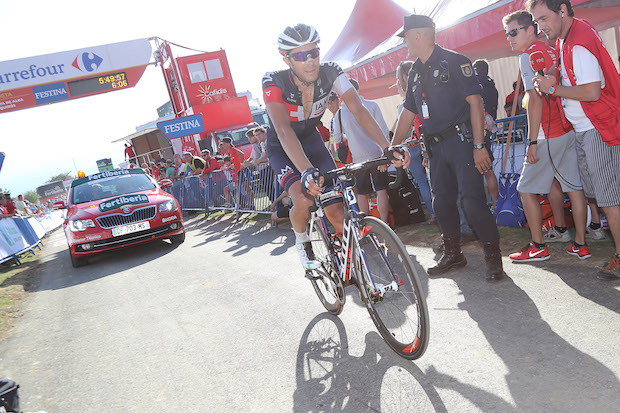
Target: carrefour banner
x=56, y=77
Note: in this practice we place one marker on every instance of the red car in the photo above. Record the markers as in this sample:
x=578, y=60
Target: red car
x=114, y=209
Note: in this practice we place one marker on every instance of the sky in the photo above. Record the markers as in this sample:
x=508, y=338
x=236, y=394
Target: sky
x=68, y=136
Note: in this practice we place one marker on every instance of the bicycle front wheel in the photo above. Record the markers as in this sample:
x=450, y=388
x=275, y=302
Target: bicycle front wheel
x=326, y=282
x=389, y=282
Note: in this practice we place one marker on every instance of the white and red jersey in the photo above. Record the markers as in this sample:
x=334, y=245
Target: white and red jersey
x=555, y=127
x=281, y=88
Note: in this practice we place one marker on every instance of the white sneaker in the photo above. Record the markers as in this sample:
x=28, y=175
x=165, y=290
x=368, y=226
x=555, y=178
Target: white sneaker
x=553, y=235
x=306, y=256
x=595, y=233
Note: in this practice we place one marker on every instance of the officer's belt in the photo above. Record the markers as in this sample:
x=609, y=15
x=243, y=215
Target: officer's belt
x=463, y=128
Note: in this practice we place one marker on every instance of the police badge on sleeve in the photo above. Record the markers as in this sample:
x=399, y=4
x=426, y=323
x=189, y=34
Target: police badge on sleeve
x=467, y=70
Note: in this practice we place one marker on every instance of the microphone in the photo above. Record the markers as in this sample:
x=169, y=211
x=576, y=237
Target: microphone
x=537, y=62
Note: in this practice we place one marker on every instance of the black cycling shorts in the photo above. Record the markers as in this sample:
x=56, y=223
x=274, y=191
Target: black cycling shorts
x=315, y=150
x=366, y=179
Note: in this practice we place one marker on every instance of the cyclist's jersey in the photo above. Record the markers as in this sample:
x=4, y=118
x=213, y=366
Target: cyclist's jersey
x=280, y=87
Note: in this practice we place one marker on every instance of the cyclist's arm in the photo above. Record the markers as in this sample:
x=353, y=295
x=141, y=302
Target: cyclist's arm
x=290, y=143
x=364, y=118
x=403, y=126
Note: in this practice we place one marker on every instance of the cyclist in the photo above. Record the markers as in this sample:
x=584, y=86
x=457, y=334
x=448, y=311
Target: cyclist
x=296, y=99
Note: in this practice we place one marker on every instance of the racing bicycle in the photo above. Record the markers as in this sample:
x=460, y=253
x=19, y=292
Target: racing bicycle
x=369, y=255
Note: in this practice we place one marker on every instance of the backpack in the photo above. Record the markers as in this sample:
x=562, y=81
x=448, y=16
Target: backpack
x=509, y=209
x=9, y=399
x=405, y=202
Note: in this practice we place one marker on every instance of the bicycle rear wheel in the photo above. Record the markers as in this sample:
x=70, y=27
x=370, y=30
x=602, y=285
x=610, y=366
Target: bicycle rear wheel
x=389, y=282
x=327, y=283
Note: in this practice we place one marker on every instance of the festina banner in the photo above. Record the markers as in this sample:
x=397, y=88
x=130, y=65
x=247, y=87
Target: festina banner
x=56, y=77
x=187, y=125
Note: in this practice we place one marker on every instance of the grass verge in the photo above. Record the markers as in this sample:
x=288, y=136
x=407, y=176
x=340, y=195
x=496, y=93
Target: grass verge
x=15, y=281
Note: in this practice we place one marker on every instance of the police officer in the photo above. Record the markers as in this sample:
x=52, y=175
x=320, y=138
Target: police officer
x=444, y=92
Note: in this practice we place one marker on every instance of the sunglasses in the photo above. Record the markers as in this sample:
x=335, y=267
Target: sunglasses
x=303, y=56
x=513, y=32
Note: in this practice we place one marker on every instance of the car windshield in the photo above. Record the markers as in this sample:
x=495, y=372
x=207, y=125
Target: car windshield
x=110, y=187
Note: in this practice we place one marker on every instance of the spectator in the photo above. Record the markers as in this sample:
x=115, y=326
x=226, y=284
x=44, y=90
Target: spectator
x=154, y=169
x=195, y=164
x=21, y=206
x=9, y=204
x=415, y=151
x=588, y=85
x=333, y=105
x=364, y=148
x=211, y=163
x=489, y=93
x=257, y=151
x=231, y=181
x=281, y=207
x=510, y=101
x=169, y=169
x=550, y=150
x=236, y=156
x=5, y=208
x=261, y=137
x=130, y=154
x=490, y=98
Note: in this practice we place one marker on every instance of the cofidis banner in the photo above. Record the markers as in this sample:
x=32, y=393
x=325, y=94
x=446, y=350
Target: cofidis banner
x=56, y=77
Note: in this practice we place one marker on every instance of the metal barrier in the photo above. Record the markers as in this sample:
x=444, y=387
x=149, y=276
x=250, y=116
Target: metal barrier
x=253, y=189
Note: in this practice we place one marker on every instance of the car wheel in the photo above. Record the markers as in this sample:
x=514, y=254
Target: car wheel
x=178, y=239
x=77, y=261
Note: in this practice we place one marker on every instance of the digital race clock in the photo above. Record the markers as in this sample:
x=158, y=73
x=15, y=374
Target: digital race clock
x=98, y=84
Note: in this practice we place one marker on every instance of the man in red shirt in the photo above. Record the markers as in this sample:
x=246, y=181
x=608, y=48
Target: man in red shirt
x=210, y=162
x=588, y=85
x=236, y=155
x=130, y=154
x=551, y=150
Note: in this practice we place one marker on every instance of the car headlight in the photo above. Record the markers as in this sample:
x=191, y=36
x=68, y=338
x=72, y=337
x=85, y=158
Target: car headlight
x=81, y=225
x=168, y=206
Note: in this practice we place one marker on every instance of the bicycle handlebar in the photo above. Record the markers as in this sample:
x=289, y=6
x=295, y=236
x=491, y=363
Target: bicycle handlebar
x=347, y=171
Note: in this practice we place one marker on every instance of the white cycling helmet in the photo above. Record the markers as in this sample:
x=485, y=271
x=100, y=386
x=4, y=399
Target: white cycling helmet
x=296, y=36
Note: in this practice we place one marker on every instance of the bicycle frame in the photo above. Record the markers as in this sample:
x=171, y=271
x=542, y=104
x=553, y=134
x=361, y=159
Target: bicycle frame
x=351, y=238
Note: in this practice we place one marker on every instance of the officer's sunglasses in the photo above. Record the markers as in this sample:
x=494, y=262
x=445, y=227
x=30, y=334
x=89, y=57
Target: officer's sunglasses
x=303, y=56
x=513, y=32
x=445, y=73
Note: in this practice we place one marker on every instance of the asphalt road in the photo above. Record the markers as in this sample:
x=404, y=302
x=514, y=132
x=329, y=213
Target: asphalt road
x=226, y=323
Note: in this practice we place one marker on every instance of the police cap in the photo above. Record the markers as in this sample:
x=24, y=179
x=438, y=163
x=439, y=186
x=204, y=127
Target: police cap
x=416, y=21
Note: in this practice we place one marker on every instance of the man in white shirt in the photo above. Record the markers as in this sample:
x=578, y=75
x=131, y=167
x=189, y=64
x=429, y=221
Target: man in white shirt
x=364, y=148
x=589, y=88
x=20, y=205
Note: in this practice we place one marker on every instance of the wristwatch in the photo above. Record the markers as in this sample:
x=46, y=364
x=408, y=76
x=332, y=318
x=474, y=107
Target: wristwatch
x=479, y=146
x=552, y=90
x=531, y=142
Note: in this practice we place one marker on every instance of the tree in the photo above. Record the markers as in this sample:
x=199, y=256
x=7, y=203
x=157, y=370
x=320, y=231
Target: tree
x=65, y=176
x=32, y=197
x=5, y=191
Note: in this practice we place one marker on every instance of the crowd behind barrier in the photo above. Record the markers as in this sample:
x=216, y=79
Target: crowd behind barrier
x=20, y=235
x=251, y=190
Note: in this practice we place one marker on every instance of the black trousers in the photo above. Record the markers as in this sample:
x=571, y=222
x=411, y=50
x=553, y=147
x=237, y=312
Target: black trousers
x=453, y=170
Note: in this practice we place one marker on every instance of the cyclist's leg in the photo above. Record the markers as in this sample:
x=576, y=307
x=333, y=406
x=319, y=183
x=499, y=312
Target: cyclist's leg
x=290, y=179
x=320, y=157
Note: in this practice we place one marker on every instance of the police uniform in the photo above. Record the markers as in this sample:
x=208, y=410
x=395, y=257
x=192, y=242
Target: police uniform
x=437, y=90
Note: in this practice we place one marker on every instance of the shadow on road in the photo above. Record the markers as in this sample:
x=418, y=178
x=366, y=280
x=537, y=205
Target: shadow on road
x=329, y=379
x=545, y=372
x=243, y=234
x=99, y=266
